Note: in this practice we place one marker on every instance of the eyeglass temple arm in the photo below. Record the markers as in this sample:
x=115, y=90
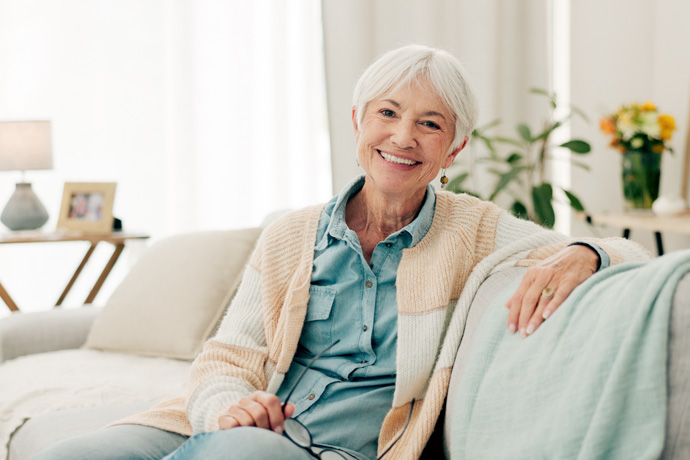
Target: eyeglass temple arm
x=409, y=416
x=318, y=355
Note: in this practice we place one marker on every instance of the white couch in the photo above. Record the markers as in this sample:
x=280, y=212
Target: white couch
x=66, y=372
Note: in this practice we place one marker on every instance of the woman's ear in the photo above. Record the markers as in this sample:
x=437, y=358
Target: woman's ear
x=451, y=156
x=354, y=124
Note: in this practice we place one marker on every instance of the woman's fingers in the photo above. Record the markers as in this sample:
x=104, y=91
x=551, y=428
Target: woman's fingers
x=273, y=410
x=227, y=421
x=257, y=412
x=544, y=288
x=260, y=409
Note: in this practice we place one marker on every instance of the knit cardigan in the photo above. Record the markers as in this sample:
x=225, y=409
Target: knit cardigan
x=436, y=282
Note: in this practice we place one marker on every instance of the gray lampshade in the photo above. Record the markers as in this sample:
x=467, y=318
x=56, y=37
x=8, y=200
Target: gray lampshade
x=25, y=145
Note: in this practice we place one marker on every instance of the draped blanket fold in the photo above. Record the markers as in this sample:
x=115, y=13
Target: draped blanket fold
x=589, y=384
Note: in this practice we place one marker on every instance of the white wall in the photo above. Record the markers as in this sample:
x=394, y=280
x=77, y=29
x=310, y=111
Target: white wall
x=87, y=66
x=209, y=114
x=628, y=51
x=501, y=42
x=621, y=51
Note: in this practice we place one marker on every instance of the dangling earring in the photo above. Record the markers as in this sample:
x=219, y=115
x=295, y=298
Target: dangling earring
x=444, y=179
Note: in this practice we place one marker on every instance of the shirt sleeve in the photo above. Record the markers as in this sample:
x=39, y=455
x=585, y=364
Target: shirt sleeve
x=604, y=259
x=510, y=230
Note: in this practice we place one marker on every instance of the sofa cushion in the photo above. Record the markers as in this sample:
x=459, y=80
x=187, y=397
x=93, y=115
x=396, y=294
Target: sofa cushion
x=33, y=385
x=172, y=299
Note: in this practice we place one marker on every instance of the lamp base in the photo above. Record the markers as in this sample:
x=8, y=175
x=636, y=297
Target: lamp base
x=24, y=211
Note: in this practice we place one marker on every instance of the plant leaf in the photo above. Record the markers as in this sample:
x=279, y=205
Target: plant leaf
x=551, y=96
x=506, y=140
x=506, y=179
x=487, y=126
x=540, y=91
x=575, y=202
x=580, y=112
x=524, y=132
x=514, y=157
x=549, y=130
x=455, y=183
x=580, y=164
x=519, y=210
x=541, y=197
x=577, y=146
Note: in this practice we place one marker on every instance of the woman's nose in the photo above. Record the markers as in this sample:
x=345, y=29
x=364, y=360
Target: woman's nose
x=404, y=135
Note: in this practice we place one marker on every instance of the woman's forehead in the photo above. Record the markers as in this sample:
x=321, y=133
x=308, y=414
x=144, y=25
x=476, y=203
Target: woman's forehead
x=420, y=94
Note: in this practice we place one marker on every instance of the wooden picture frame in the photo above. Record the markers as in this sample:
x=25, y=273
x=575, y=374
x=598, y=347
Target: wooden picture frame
x=87, y=207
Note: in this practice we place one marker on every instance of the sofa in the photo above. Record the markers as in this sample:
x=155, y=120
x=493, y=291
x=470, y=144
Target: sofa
x=69, y=371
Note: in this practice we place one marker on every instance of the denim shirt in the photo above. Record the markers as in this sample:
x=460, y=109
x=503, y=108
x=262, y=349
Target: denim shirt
x=346, y=395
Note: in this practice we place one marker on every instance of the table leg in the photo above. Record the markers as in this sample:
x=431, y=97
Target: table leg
x=76, y=274
x=7, y=299
x=659, y=244
x=106, y=271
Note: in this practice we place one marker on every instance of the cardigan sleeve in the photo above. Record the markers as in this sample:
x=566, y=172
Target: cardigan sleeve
x=510, y=229
x=232, y=364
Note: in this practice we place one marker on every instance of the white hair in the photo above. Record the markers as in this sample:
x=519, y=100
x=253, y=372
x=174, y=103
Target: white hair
x=412, y=63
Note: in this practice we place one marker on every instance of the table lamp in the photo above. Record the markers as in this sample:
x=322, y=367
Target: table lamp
x=25, y=145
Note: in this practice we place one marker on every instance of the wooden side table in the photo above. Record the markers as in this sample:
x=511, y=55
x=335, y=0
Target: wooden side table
x=117, y=239
x=628, y=221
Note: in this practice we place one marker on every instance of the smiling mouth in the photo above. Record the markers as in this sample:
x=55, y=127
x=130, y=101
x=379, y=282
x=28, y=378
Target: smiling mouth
x=397, y=160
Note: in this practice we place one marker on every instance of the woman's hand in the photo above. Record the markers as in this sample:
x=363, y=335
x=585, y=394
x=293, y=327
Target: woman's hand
x=260, y=409
x=532, y=302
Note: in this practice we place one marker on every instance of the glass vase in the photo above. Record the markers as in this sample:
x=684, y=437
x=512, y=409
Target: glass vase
x=641, y=173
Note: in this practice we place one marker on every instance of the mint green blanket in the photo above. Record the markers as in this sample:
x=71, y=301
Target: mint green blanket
x=589, y=384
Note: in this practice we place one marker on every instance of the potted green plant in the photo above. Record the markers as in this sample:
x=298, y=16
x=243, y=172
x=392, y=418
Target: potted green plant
x=519, y=165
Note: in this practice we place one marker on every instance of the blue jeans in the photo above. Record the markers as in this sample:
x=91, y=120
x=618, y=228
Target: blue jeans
x=240, y=443
x=122, y=442
x=134, y=442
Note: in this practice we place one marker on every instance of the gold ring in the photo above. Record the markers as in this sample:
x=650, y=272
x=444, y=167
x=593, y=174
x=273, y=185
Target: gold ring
x=548, y=293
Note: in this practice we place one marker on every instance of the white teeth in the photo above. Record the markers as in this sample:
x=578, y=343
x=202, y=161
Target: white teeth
x=392, y=159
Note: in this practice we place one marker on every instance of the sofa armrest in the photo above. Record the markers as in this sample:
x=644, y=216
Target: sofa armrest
x=29, y=333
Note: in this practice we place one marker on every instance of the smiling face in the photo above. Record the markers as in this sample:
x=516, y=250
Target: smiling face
x=404, y=140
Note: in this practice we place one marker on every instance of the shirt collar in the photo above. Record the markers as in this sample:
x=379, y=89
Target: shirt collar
x=416, y=229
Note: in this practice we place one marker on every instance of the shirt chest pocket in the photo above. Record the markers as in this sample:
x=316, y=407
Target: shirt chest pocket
x=317, y=326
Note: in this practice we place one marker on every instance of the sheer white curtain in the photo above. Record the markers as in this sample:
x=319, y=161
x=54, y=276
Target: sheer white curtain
x=250, y=132
x=209, y=114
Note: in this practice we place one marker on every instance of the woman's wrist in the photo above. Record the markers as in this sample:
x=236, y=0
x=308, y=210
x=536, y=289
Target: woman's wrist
x=604, y=260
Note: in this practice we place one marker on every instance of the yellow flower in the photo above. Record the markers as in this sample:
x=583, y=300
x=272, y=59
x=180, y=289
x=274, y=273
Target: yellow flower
x=658, y=148
x=667, y=125
x=667, y=121
x=648, y=106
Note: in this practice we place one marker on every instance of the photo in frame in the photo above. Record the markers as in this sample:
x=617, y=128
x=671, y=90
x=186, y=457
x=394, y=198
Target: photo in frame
x=87, y=207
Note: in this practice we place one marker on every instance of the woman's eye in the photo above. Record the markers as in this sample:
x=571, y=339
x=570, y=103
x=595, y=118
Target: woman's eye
x=387, y=113
x=431, y=125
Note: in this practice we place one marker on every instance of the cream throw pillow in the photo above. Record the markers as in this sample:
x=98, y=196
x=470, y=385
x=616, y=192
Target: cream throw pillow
x=173, y=298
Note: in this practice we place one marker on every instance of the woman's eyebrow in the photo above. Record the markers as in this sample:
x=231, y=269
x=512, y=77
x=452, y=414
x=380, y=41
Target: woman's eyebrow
x=433, y=114
x=392, y=102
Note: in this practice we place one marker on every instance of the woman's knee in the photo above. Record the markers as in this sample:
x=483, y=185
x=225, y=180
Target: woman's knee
x=240, y=443
x=115, y=443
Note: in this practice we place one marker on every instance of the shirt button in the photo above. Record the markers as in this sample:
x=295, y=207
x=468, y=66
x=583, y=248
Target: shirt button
x=368, y=284
x=364, y=328
x=389, y=245
x=311, y=396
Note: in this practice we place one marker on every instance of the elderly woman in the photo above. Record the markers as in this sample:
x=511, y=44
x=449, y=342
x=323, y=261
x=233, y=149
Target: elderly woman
x=375, y=284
